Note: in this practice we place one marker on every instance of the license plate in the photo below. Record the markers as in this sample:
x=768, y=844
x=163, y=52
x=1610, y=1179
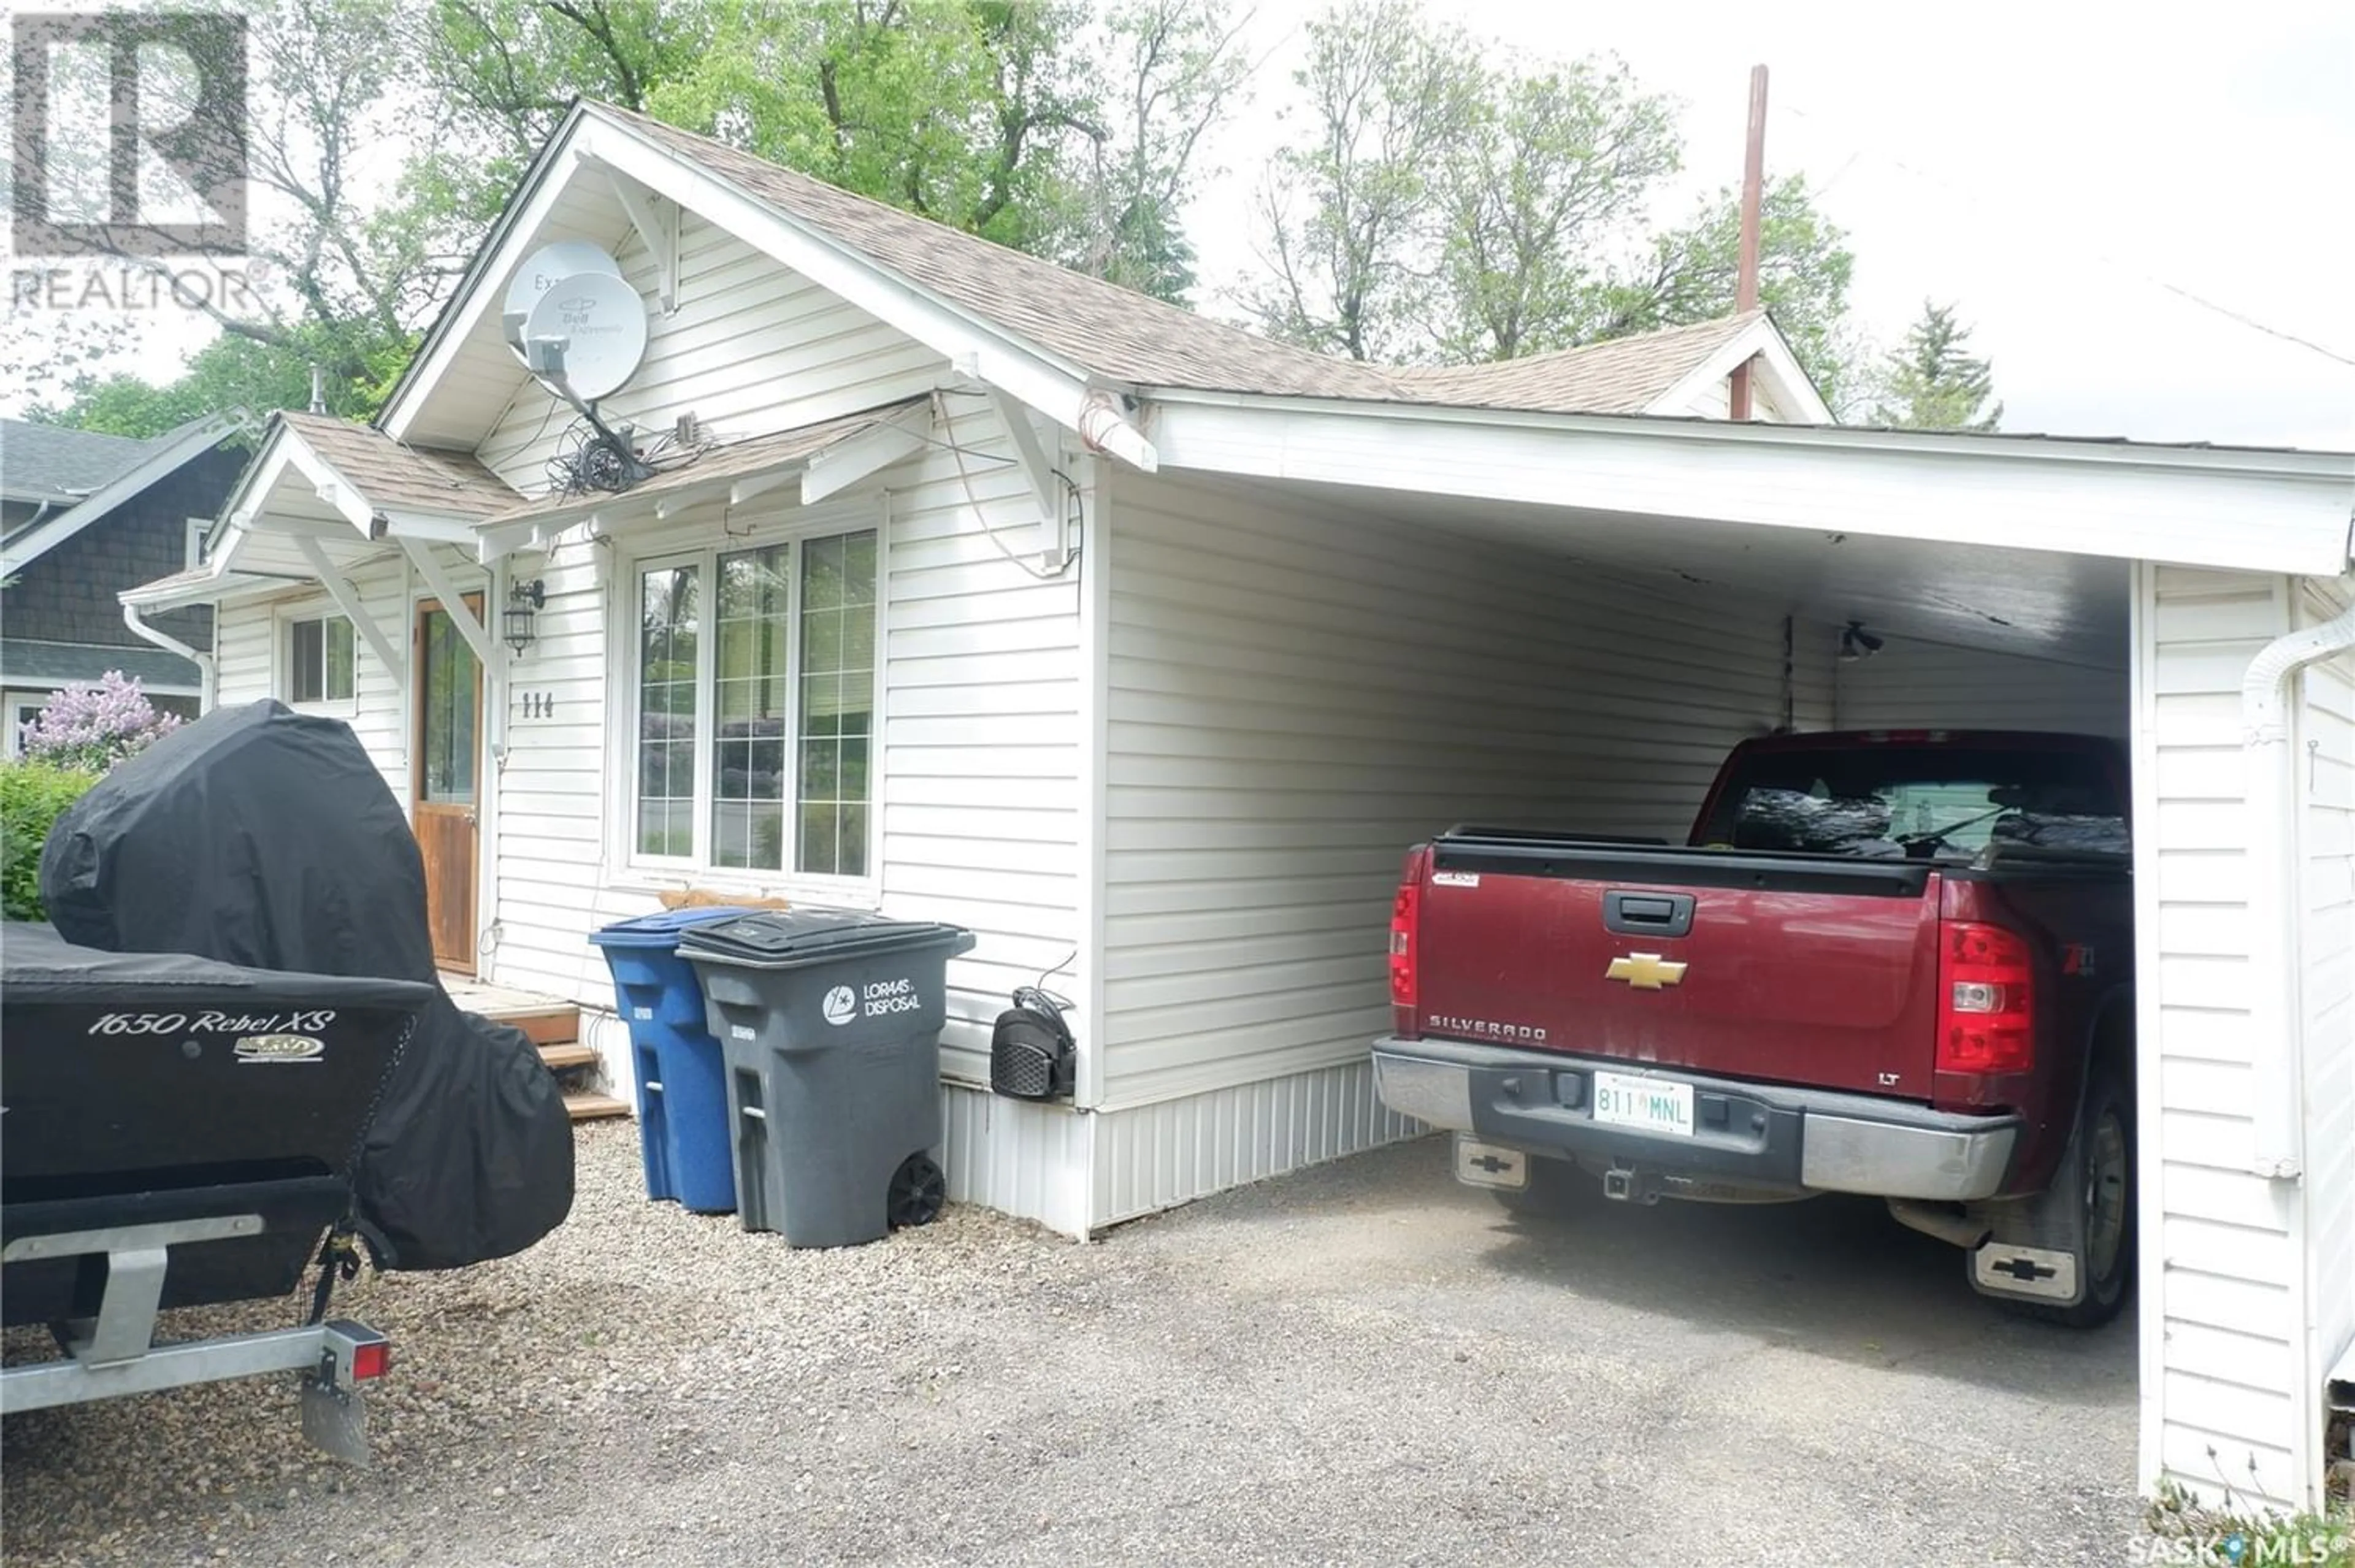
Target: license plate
x=1655, y=1105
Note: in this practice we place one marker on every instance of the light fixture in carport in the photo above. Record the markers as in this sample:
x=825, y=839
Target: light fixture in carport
x=1855, y=643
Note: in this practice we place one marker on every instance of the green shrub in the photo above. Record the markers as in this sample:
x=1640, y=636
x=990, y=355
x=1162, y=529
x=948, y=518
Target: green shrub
x=32, y=795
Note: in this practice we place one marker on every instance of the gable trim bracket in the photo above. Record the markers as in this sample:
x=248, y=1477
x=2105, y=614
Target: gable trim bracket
x=655, y=218
x=835, y=468
x=453, y=600
x=1054, y=544
x=339, y=588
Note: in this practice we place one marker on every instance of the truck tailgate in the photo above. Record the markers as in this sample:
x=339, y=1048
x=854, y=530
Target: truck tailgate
x=1801, y=969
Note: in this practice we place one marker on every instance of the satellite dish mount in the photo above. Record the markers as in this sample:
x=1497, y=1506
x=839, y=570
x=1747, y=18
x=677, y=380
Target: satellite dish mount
x=581, y=329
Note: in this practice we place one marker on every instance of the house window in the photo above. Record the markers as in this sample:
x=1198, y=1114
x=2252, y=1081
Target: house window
x=195, y=548
x=319, y=660
x=756, y=701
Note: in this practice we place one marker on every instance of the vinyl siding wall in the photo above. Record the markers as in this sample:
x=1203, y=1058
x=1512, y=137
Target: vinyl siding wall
x=1293, y=696
x=251, y=659
x=2223, y=1297
x=1913, y=684
x=977, y=784
x=2323, y=746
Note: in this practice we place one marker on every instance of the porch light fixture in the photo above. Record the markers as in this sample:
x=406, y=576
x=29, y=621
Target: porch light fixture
x=515, y=622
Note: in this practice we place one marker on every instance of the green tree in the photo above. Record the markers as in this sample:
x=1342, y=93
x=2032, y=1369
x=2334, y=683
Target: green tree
x=1692, y=273
x=1045, y=124
x=1554, y=167
x=1932, y=383
x=1349, y=212
x=1178, y=64
x=1434, y=208
x=334, y=276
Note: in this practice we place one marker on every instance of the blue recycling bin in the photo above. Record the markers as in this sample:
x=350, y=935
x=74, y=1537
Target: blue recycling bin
x=681, y=1073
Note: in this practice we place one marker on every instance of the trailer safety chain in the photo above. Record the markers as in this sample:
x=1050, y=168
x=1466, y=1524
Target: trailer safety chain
x=339, y=1256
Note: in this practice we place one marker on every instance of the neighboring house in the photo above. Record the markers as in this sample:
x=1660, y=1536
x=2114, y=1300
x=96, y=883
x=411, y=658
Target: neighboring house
x=82, y=518
x=978, y=590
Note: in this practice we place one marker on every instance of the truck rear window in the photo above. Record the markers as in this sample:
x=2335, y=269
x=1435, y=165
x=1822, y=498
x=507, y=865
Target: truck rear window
x=1943, y=802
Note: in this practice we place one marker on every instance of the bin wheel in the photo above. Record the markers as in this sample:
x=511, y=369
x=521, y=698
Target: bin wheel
x=918, y=1191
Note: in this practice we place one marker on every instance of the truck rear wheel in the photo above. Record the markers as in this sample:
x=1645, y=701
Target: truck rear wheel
x=2089, y=1210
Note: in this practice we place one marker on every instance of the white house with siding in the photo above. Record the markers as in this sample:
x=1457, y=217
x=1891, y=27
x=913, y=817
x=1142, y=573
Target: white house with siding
x=973, y=590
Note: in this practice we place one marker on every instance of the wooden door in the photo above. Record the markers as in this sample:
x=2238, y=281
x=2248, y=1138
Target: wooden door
x=446, y=777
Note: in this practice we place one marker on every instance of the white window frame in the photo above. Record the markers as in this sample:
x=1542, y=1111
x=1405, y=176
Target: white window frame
x=197, y=529
x=281, y=658
x=20, y=709
x=626, y=868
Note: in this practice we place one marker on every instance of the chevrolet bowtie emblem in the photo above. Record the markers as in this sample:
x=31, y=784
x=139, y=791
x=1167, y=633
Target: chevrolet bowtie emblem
x=1646, y=971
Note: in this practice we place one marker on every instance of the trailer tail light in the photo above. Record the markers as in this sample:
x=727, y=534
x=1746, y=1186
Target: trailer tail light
x=369, y=1362
x=1986, y=1016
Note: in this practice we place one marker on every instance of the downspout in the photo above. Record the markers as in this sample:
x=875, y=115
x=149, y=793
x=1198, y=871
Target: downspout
x=170, y=644
x=2271, y=789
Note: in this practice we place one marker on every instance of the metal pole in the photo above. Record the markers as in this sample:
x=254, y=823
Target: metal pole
x=1754, y=184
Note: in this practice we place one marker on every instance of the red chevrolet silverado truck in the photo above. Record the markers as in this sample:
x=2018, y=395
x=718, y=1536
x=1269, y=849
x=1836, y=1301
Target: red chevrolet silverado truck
x=1898, y=963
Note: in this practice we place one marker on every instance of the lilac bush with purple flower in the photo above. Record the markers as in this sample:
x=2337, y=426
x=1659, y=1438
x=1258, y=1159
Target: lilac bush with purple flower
x=91, y=727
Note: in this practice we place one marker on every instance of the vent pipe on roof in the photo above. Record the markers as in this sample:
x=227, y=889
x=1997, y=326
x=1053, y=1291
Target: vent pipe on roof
x=318, y=390
x=1753, y=196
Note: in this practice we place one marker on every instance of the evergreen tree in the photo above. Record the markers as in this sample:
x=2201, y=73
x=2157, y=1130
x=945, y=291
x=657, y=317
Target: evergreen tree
x=1932, y=383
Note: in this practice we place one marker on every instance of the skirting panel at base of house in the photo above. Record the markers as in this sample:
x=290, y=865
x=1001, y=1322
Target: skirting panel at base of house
x=1149, y=1158
x=1018, y=1157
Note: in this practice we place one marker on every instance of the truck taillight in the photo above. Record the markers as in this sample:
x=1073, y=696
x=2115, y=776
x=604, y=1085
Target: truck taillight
x=1405, y=911
x=1987, y=1016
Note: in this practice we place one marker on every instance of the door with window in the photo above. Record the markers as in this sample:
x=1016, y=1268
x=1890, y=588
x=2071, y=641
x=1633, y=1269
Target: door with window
x=445, y=777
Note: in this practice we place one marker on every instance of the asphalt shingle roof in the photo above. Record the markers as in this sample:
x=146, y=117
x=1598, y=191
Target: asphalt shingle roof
x=51, y=462
x=1622, y=376
x=24, y=662
x=1131, y=338
x=736, y=459
x=390, y=473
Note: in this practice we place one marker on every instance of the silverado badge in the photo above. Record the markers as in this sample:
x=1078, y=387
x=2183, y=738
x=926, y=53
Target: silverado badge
x=1646, y=971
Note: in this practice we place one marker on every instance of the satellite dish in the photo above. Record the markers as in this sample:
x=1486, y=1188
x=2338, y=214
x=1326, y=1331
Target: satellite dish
x=601, y=323
x=540, y=272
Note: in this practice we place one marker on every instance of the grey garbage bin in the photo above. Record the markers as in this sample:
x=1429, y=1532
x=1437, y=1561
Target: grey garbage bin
x=830, y=1024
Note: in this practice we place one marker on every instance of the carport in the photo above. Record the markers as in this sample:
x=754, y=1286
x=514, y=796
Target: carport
x=1333, y=627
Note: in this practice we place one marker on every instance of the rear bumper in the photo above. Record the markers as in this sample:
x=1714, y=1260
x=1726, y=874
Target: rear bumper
x=1746, y=1136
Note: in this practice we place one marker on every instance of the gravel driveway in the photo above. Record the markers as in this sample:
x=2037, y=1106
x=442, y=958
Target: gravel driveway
x=1362, y=1363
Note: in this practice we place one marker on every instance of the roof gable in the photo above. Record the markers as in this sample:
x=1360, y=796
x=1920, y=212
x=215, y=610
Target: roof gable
x=1049, y=334
x=391, y=474
x=149, y=463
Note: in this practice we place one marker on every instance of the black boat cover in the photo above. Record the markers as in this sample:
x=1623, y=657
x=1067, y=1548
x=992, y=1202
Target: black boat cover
x=267, y=838
x=151, y=1087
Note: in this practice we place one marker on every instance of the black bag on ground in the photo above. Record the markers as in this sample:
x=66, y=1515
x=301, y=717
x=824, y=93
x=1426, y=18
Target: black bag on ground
x=262, y=836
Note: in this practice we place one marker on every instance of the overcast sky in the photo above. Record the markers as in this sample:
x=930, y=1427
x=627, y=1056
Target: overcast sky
x=2040, y=165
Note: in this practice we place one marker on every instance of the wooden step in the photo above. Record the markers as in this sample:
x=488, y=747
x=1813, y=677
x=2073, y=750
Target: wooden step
x=568, y=1053
x=590, y=1106
x=548, y=1026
